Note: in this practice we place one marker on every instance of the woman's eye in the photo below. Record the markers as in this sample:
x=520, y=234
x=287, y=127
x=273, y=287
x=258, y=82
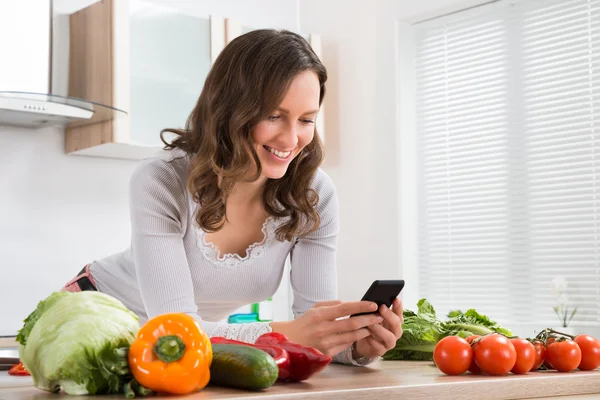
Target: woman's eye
x=274, y=117
x=308, y=121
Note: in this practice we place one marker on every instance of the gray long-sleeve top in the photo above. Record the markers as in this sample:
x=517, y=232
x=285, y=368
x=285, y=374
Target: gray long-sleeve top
x=171, y=267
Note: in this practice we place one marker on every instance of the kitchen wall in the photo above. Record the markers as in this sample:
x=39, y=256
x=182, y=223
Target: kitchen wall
x=59, y=212
x=358, y=50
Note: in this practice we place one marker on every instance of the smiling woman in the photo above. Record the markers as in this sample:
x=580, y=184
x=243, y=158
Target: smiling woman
x=215, y=215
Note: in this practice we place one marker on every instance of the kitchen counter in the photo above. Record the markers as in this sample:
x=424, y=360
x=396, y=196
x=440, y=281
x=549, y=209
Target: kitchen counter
x=394, y=379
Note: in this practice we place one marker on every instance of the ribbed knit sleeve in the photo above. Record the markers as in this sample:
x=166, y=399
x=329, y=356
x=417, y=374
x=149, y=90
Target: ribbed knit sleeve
x=158, y=222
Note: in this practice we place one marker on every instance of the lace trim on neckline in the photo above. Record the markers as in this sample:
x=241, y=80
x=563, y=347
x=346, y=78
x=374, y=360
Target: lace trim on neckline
x=232, y=260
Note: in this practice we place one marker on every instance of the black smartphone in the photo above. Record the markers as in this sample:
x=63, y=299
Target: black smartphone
x=383, y=292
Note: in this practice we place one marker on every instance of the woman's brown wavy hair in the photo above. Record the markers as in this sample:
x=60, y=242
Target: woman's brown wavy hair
x=247, y=82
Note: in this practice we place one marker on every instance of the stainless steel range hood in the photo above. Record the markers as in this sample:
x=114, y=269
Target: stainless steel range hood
x=35, y=90
x=35, y=110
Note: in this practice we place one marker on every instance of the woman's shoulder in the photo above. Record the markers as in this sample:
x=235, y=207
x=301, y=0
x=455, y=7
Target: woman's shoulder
x=322, y=183
x=167, y=168
x=164, y=160
x=325, y=188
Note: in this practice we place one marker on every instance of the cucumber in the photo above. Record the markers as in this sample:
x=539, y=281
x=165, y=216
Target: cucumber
x=242, y=367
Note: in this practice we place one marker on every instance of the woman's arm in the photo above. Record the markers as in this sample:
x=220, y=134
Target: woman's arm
x=159, y=216
x=313, y=261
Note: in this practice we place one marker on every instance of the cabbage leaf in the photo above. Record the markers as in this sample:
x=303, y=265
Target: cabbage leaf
x=78, y=342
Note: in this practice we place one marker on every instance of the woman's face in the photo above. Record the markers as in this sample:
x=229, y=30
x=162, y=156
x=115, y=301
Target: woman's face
x=280, y=137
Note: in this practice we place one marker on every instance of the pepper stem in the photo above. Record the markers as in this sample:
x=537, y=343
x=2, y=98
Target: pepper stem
x=169, y=348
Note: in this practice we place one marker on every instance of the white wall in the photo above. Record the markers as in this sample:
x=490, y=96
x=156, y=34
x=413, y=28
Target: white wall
x=360, y=50
x=57, y=213
x=360, y=126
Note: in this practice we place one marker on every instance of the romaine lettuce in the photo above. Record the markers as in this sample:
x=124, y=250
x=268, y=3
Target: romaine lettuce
x=423, y=330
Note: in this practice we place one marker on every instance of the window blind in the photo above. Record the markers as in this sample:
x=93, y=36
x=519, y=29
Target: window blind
x=509, y=159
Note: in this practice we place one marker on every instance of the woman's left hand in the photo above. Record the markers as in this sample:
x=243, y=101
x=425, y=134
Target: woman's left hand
x=383, y=336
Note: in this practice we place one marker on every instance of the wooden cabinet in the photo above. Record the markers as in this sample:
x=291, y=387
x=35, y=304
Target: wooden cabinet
x=139, y=56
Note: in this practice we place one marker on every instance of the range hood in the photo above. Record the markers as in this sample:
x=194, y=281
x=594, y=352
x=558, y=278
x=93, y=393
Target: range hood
x=43, y=86
x=35, y=110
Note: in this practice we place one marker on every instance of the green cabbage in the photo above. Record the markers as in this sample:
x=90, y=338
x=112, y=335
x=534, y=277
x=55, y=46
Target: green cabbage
x=79, y=342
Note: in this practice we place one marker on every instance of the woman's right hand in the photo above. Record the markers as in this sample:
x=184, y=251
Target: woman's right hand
x=321, y=327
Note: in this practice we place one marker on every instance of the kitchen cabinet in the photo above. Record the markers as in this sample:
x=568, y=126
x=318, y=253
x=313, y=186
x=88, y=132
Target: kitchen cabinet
x=141, y=56
x=147, y=57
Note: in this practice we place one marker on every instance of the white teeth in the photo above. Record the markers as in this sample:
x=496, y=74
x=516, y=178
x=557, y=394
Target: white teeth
x=281, y=154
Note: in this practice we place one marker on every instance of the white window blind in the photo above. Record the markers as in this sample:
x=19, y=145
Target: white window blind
x=508, y=118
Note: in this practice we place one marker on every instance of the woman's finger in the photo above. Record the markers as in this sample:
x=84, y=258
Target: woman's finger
x=384, y=336
x=327, y=303
x=397, y=307
x=352, y=323
x=336, y=311
x=332, y=351
x=347, y=338
x=377, y=347
x=391, y=320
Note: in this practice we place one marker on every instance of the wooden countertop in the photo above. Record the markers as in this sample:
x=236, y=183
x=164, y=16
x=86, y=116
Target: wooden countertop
x=394, y=379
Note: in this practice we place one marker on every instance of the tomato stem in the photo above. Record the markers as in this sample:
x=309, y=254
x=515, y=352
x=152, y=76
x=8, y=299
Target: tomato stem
x=475, y=341
x=563, y=334
x=169, y=348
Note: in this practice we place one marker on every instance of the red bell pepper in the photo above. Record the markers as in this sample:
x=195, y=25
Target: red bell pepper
x=281, y=356
x=306, y=361
x=18, y=370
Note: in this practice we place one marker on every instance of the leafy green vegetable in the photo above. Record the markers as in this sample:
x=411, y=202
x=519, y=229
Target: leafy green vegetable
x=473, y=322
x=423, y=330
x=420, y=333
x=78, y=342
x=36, y=314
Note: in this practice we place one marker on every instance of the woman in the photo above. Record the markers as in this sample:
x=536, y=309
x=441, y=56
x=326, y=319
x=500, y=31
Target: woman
x=215, y=215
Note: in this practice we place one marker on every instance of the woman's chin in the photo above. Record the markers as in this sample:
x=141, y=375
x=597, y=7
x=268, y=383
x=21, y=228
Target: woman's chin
x=274, y=173
x=273, y=167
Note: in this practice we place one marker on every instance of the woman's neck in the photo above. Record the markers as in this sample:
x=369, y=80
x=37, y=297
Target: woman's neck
x=247, y=193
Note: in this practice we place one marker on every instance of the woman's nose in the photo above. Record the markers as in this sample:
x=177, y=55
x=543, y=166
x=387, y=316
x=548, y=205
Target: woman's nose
x=289, y=136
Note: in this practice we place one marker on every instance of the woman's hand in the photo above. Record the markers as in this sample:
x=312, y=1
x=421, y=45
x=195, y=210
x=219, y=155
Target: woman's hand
x=320, y=327
x=383, y=336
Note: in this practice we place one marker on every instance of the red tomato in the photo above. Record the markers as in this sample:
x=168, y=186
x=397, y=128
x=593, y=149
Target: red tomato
x=452, y=355
x=526, y=356
x=495, y=354
x=564, y=356
x=546, y=361
x=540, y=355
x=590, y=352
x=473, y=368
